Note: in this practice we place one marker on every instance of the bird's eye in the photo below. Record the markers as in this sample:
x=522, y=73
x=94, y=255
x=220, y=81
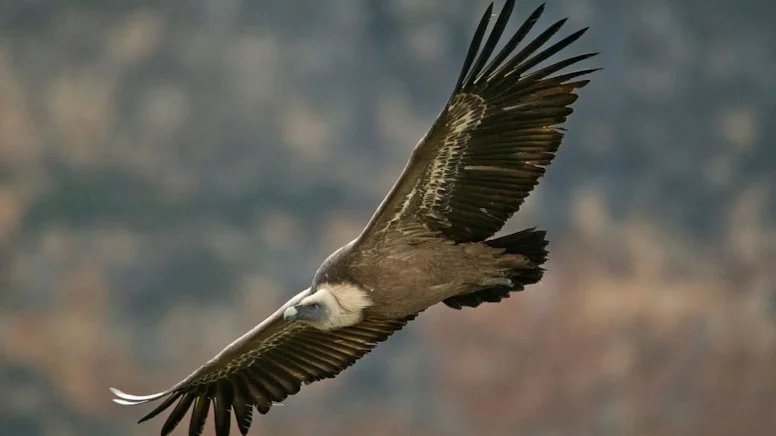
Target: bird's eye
x=315, y=306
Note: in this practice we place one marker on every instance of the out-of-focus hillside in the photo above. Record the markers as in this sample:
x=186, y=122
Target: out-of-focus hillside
x=171, y=172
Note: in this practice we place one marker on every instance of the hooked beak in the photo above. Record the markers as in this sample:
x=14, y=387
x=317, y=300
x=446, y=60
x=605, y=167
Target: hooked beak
x=313, y=312
x=290, y=313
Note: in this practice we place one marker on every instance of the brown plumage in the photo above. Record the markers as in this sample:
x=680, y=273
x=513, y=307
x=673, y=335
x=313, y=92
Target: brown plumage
x=426, y=243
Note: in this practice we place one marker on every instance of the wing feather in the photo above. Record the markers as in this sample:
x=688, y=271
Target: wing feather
x=263, y=367
x=241, y=406
x=199, y=412
x=474, y=46
x=165, y=404
x=177, y=414
x=495, y=35
x=490, y=145
x=222, y=405
x=513, y=42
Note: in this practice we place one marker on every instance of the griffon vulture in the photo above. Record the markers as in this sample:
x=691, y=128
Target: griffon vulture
x=426, y=243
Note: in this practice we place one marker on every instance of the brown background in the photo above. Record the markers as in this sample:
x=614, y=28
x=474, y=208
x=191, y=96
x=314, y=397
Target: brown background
x=170, y=172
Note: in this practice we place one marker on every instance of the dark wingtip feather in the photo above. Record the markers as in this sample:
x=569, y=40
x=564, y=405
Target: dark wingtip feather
x=177, y=414
x=490, y=44
x=536, y=14
x=554, y=68
x=514, y=41
x=592, y=70
x=555, y=48
x=474, y=46
x=199, y=415
x=160, y=408
x=241, y=405
x=244, y=416
x=222, y=405
x=541, y=39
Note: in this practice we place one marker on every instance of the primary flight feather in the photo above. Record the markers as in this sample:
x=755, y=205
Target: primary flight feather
x=426, y=243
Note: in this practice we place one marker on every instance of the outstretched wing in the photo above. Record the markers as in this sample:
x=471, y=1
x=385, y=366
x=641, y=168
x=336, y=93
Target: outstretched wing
x=263, y=367
x=489, y=146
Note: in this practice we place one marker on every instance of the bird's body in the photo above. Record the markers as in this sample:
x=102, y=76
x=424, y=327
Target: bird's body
x=407, y=276
x=429, y=241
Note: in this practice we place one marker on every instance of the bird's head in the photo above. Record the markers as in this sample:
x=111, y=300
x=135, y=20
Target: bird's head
x=330, y=307
x=312, y=312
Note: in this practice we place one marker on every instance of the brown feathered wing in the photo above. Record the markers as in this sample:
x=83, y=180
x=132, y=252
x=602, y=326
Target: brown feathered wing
x=488, y=148
x=261, y=368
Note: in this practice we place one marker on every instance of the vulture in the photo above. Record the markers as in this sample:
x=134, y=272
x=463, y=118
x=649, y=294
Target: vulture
x=430, y=241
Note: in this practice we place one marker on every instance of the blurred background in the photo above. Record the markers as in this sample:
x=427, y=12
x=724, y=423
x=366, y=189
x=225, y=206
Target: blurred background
x=171, y=172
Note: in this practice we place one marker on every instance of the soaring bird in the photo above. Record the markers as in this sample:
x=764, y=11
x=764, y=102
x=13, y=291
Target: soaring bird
x=429, y=241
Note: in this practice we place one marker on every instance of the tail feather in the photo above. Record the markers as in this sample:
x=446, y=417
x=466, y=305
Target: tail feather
x=531, y=243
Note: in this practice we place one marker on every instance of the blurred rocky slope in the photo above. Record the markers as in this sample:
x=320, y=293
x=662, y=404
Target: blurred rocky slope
x=171, y=172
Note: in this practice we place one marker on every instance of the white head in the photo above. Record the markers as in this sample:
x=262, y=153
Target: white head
x=331, y=306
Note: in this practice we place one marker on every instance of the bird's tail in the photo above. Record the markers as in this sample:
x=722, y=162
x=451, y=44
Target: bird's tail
x=530, y=243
